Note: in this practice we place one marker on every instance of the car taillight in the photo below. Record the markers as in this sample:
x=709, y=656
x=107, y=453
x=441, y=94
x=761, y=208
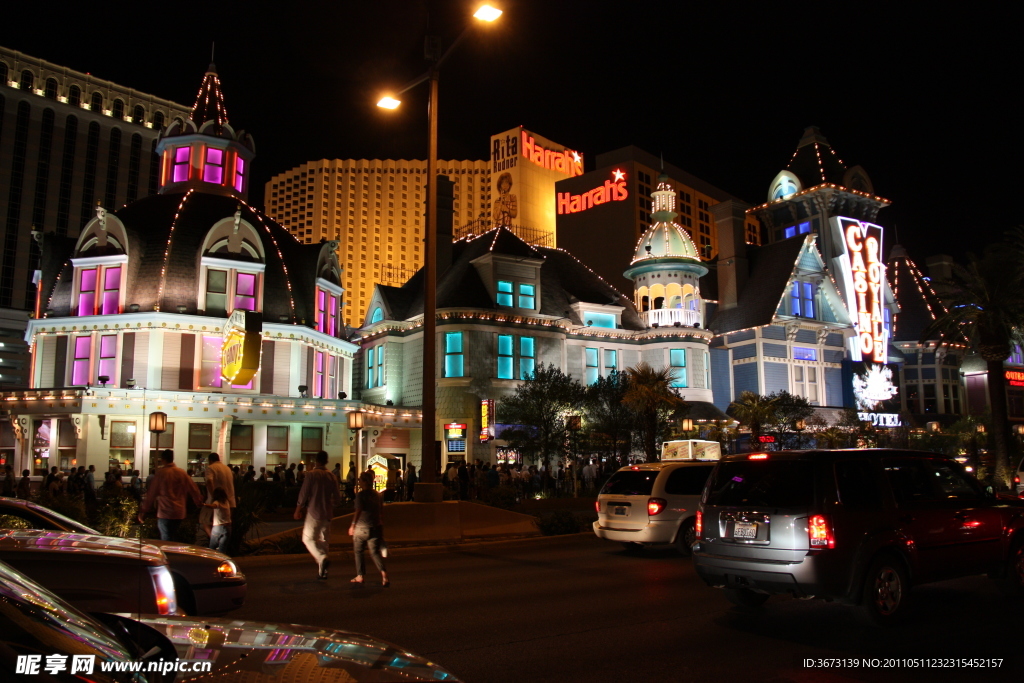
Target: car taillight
x=597, y=506
x=698, y=526
x=163, y=588
x=757, y=456
x=819, y=531
x=655, y=506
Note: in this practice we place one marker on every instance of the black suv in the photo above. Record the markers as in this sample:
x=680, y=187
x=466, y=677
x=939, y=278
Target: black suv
x=858, y=526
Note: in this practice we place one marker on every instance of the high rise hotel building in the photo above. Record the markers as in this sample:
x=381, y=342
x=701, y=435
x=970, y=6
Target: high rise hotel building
x=375, y=209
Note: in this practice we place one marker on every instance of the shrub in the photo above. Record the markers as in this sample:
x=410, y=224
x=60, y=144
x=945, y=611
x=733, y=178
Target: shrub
x=558, y=522
x=69, y=506
x=503, y=497
x=116, y=514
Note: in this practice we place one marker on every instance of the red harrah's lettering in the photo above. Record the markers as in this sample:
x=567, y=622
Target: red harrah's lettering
x=568, y=162
x=611, y=191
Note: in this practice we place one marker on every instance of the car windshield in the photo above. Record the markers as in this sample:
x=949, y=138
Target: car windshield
x=762, y=483
x=34, y=620
x=630, y=483
x=75, y=525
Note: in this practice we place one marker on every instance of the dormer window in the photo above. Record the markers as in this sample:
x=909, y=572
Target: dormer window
x=504, y=293
x=801, y=298
x=213, y=170
x=526, y=295
x=518, y=294
x=239, y=174
x=98, y=283
x=230, y=285
x=180, y=164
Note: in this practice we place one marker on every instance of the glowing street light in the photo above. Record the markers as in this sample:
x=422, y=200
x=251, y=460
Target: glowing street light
x=487, y=13
x=388, y=102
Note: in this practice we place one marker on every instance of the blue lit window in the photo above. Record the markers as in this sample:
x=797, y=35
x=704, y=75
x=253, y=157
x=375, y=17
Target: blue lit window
x=380, y=365
x=804, y=228
x=611, y=361
x=378, y=315
x=453, y=360
x=505, y=359
x=802, y=299
x=599, y=320
x=802, y=353
x=789, y=232
x=794, y=230
x=677, y=361
x=370, y=374
x=504, y=293
x=592, y=367
x=526, y=358
x=526, y=295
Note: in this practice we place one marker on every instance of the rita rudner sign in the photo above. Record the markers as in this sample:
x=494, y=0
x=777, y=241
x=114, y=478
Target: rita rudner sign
x=240, y=352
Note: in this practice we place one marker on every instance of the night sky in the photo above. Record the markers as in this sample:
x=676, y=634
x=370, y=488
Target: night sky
x=925, y=100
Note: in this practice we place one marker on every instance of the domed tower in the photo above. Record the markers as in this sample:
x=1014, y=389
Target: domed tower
x=204, y=153
x=666, y=268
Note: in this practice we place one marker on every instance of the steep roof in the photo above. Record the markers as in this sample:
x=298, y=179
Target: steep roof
x=814, y=160
x=209, y=104
x=918, y=302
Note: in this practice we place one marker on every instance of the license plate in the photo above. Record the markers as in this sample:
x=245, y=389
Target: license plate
x=620, y=511
x=744, y=530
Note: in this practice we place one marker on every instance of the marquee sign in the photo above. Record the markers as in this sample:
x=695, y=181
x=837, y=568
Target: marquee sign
x=613, y=190
x=865, y=281
x=881, y=419
x=486, y=420
x=240, y=352
x=455, y=430
x=565, y=161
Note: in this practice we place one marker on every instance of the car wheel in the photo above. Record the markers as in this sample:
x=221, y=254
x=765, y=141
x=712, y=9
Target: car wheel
x=686, y=537
x=744, y=597
x=1012, y=579
x=886, y=591
x=633, y=548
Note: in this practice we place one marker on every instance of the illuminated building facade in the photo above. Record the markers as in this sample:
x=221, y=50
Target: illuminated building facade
x=189, y=303
x=622, y=215
x=375, y=210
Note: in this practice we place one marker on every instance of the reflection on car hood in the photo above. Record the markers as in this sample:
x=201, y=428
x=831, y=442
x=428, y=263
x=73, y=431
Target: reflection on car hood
x=257, y=652
x=176, y=548
x=81, y=544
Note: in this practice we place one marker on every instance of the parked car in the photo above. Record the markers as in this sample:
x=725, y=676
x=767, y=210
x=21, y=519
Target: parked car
x=857, y=526
x=207, y=581
x=34, y=621
x=93, y=573
x=653, y=504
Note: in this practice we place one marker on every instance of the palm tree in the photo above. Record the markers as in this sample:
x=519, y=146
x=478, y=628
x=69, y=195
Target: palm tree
x=984, y=305
x=755, y=411
x=649, y=395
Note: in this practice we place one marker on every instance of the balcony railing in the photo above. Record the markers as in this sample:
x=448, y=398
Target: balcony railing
x=668, y=317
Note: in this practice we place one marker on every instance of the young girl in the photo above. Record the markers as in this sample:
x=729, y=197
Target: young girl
x=221, y=520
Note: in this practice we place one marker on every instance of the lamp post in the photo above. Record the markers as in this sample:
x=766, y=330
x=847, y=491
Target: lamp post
x=799, y=426
x=687, y=426
x=428, y=490
x=355, y=423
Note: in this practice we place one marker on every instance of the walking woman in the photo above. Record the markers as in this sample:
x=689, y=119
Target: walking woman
x=368, y=529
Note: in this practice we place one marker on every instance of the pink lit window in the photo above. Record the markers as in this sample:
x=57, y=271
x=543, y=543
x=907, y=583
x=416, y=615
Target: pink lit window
x=239, y=174
x=80, y=365
x=87, y=292
x=245, y=291
x=213, y=171
x=318, y=376
x=111, y=291
x=321, y=317
x=179, y=171
x=108, y=356
x=332, y=316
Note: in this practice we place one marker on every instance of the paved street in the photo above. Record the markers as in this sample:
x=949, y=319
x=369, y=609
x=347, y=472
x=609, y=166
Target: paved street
x=575, y=608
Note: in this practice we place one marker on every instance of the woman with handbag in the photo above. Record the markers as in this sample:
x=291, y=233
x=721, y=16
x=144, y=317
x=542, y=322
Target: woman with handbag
x=367, y=529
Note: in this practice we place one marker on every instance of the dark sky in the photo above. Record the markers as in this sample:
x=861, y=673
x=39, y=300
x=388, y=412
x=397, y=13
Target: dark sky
x=927, y=101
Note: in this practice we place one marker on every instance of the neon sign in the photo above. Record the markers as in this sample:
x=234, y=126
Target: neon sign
x=867, y=277
x=240, y=352
x=566, y=161
x=613, y=190
x=1015, y=378
x=455, y=430
x=486, y=420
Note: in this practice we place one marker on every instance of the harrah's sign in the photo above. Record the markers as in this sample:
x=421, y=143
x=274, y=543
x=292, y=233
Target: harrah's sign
x=864, y=249
x=613, y=190
x=566, y=161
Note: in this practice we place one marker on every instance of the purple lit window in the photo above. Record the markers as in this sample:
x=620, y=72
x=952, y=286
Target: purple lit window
x=209, y=372
x=239, y=174
x=179, y=172
x=332, y=315
x=80, y=366
x=321, y=313
x=108, y=354
x=213, y=171
x=87, y=292
x=245, y=291
x=111, y=290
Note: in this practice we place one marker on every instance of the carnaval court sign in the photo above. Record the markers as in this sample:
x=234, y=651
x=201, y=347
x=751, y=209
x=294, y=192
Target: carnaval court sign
x=240, y=352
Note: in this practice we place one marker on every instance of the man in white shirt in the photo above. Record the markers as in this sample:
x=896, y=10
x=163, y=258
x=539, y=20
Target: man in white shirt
x=218, y=475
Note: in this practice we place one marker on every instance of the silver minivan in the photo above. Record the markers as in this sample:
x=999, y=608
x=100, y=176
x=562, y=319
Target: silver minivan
x=652, y=504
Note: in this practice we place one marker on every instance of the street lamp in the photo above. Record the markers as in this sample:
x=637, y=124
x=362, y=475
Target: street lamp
x=355, y=423
x=427, y=489
x=799, y=426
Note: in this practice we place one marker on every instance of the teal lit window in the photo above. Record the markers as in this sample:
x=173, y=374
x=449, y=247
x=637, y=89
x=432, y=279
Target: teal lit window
x=526, y=295
x=370, y=374
x=378, y=315
x=504, y=293
x=599, y=320
x=453, y=358
x=592, y=370
x=677, y=361
x=611, y=361
x=505, y=359
x=380, y=365
x=526, y=357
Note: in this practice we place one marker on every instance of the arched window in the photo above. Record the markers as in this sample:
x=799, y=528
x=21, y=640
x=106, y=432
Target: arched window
x=96, y=104
x=659, y=302
x=378, y=315
x=158, y=120
x=51, y=88
x=75, y=96
x=27, y=80
x=138, y=115
x=118, y=109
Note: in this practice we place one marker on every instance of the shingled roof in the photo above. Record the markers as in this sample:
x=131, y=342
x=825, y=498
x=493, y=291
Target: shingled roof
x=918, y=302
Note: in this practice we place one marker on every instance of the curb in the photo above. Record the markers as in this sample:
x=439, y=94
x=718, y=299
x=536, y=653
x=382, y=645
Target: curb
x=393, y=551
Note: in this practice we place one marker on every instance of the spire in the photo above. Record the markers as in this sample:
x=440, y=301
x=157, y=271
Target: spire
x=664, y=201
x=814, y=160
x=209, y=104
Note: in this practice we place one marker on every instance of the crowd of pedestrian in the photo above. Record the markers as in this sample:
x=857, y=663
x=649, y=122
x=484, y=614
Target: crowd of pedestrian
x=475, y=480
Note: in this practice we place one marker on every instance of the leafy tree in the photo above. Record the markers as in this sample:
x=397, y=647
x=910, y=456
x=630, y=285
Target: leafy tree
x=539, y=408
x=609, y=420
x=723, y=432
x=755, y=411
x=787, y=410
x=984, y=303
x=650, y=396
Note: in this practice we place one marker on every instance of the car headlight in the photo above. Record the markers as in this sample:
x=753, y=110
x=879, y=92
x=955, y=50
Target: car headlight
x=163, y=587
x=227, y=570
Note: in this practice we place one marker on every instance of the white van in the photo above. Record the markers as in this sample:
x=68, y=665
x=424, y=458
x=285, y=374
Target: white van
x=653, y=504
